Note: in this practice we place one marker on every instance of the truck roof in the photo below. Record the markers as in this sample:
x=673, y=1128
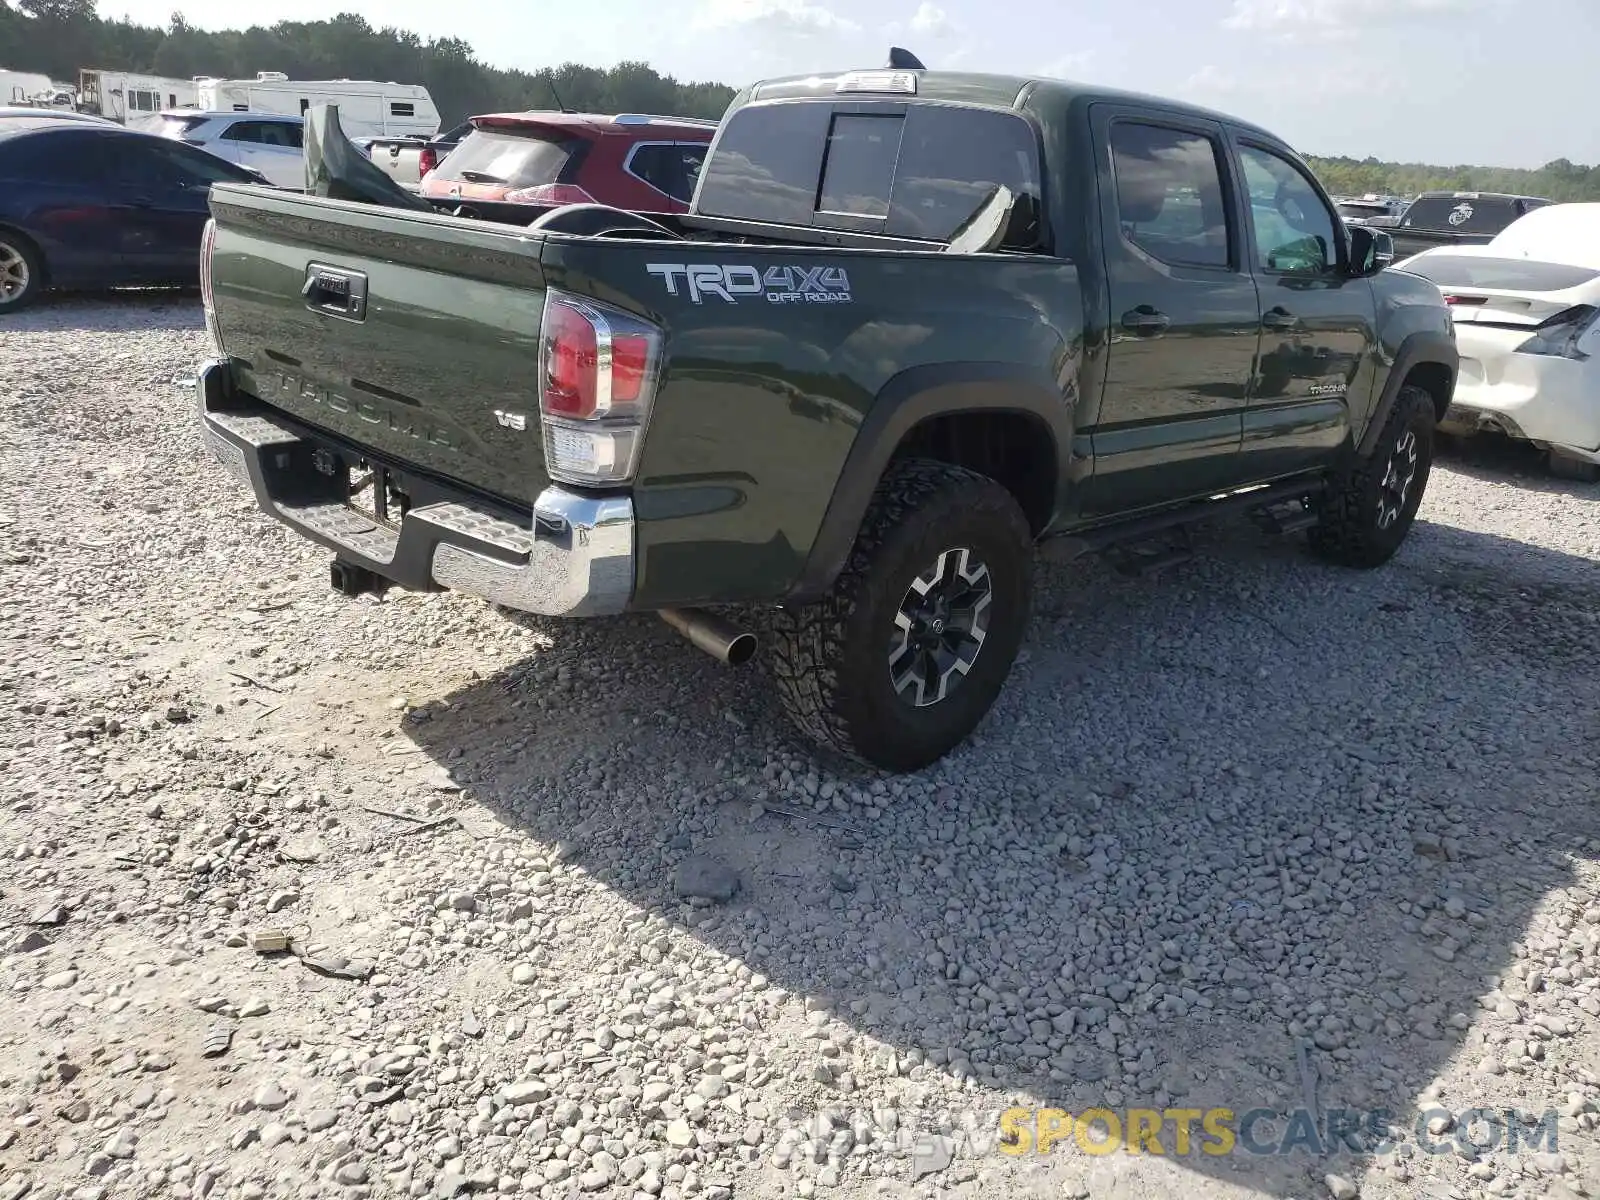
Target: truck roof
x=990, y=90
x=1449, y=195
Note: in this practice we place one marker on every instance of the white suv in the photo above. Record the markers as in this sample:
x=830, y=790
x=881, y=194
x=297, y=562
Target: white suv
x=267, y=142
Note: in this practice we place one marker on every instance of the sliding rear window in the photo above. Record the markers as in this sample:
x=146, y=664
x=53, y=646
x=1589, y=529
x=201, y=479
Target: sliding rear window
x=515, y=157
x=1500, y=274
x=898, y=169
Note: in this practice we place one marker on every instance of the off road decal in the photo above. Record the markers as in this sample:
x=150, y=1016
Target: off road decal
x=780, y=285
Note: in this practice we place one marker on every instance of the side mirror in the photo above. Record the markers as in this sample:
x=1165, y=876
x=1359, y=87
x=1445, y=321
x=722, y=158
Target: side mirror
x=1382, y=250
x=1371, y=250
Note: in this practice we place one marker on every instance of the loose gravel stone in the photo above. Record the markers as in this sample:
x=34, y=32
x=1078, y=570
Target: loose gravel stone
x=1246, y=809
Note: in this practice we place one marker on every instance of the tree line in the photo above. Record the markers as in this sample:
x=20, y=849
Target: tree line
x=57, y=37
x=1560, y=180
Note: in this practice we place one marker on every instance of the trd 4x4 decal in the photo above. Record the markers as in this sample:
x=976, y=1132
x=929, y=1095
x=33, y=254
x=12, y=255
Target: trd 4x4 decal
x=780, y=285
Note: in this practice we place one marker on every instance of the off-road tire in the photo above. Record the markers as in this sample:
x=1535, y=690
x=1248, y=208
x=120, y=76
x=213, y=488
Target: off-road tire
x=1351, y=531
x=830, y=660
x=18, y=250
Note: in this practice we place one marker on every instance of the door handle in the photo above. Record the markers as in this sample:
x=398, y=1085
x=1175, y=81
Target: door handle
x=1279, y=318
x=1145, y=321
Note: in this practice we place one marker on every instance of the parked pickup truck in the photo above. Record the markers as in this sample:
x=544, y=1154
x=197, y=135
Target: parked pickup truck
x=915, y=323
x=407, y=159
x=1457, y=219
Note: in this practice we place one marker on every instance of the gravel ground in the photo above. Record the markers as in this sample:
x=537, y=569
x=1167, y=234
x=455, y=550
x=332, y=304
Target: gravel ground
x=1258, y=833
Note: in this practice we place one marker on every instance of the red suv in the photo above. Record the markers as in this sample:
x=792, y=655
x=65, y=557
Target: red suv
x=640, y=163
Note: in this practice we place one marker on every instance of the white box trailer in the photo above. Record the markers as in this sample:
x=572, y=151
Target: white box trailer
x=20, y=87
x=124, y=96
x=367, y=108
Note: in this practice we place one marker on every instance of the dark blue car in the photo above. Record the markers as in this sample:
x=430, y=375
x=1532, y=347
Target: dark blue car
x=90, y=206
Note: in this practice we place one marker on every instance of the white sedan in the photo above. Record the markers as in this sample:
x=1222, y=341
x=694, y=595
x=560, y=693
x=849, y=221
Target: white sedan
x=1527, y=319
x=269, y=143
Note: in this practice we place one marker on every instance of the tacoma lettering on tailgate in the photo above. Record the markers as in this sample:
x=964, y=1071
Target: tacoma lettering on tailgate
x=374, y=412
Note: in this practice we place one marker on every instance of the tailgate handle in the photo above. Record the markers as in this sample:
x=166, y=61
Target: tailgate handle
x=335, y=291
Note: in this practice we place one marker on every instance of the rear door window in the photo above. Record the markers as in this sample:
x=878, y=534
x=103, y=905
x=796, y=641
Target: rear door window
x=146, y=163
x=671, y=168
x=284, y=134
x=1170, y=199
x=243, y=131
x=69, y=157
x=904, y=170
x=1462, y=214
x=514, y=158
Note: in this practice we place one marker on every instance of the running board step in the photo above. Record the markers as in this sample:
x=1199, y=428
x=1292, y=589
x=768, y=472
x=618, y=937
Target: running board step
x=1103, y=539
x=1285, y=517
x=1150, y=555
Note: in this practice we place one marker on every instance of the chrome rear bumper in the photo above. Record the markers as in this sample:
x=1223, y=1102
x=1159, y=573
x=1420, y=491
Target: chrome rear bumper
x=574, y=558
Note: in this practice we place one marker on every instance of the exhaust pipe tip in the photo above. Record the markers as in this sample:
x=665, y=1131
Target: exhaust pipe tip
x=742, y=649
x=723, y=641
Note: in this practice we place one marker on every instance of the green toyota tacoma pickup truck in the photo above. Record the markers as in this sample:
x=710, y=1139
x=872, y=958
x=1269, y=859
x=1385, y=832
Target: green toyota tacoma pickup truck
x=915, y=324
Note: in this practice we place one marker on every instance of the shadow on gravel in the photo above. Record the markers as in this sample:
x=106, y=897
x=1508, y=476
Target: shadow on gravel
x=1495, y=458
x=1249, y=836
x=114, y=310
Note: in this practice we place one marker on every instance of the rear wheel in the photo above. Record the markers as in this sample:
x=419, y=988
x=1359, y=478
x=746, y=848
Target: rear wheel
x=1370, y=508
x=21, y=273
x=902, y=660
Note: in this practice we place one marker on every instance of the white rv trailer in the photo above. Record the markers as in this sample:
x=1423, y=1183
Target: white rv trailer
x=366, y=108
x=126, y=95
x=20, y=87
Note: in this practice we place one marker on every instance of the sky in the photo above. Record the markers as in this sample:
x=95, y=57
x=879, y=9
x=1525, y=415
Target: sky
x=1437, y=81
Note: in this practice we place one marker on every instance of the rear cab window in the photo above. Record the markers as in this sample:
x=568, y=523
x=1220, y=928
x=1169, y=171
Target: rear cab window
x=518, y=157
x=897, y=169
x=1462, y=214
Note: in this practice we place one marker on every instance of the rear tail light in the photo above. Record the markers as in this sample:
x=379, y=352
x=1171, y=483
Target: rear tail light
x=1559, y=335
x=427, y=160
x=550, y=193
x=598, y=368
x=208, y=245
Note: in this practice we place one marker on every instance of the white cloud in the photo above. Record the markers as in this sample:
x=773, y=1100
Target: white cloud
x=1212, y=80
x=789, y=16
x=1333, y=18
x=1067, y=66
x=932, y=21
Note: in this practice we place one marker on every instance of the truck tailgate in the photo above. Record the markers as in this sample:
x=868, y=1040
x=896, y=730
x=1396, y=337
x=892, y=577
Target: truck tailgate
x=400, y=159
x=418, y=338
